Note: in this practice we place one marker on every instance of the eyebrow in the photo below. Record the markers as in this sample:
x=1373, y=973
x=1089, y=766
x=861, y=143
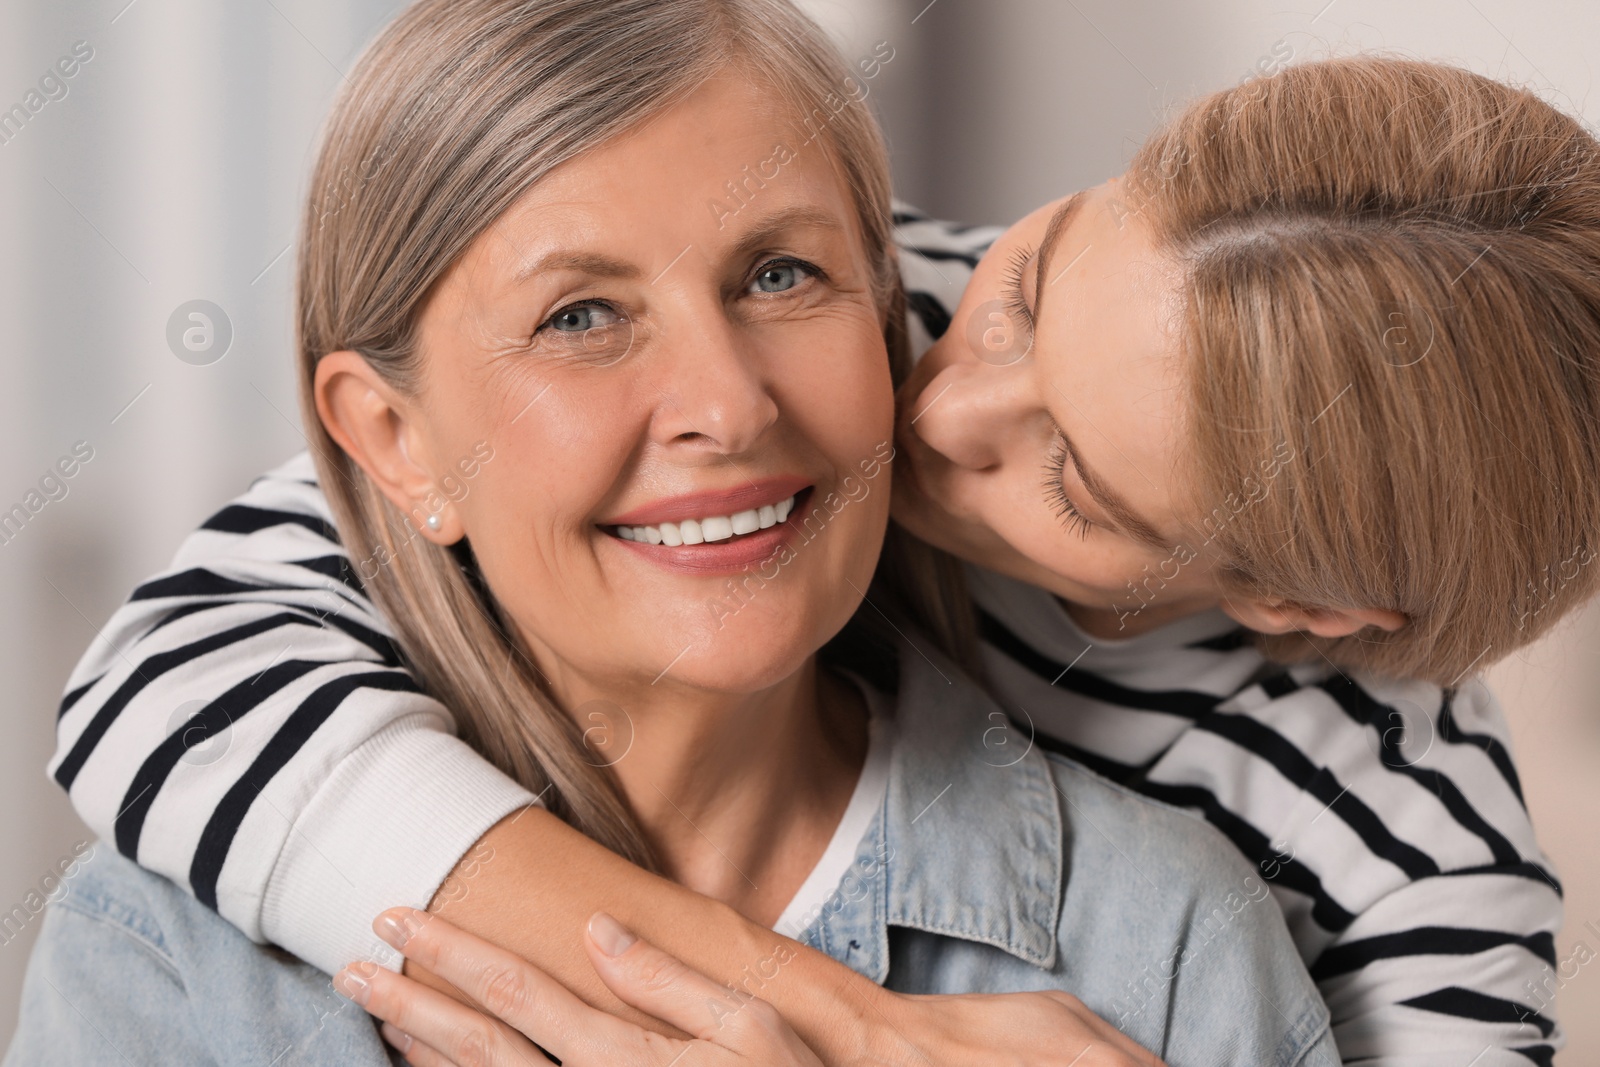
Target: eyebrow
x=1047, y=248
x=602, y=266
x=591, y=263
x=794, y=218
x=1110, y=501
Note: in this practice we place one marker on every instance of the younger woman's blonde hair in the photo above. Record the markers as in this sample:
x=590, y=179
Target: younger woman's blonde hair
x=1392, y=272
x=451, y=114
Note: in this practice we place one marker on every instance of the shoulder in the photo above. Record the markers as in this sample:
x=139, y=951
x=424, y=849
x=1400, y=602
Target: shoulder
x=938, y=257
x=146, y=964
x=932, y=238
x=936, y=262
x=123, y=900
x=1434, y=764
x=1178, y=922
x=1156, y=840
x=286, y=504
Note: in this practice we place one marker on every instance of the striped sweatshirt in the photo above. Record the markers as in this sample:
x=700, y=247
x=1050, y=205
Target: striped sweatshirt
x=248, y=729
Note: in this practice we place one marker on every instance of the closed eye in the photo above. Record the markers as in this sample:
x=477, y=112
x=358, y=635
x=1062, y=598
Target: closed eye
x=1055, y=489
x=1016, y=302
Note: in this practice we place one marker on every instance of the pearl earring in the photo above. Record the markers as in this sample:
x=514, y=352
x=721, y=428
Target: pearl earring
x=435, y=521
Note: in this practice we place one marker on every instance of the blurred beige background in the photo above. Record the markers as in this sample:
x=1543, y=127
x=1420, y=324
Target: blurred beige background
x=171, y=171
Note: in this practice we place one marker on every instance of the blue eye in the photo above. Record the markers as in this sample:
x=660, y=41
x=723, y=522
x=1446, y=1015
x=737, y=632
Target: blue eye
x=579, y=318
x=779, y=277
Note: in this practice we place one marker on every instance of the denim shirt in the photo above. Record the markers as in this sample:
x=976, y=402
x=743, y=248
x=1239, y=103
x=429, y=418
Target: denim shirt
x=996, y=867
x=990, y=868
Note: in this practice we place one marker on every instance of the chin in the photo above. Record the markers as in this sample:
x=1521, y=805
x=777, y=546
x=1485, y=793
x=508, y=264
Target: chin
x=756, y=646
x=734, y=667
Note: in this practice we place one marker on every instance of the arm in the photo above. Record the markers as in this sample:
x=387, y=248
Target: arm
x=502, y=891
x=1386, y=819
x=247, y=731
x=1461, y=962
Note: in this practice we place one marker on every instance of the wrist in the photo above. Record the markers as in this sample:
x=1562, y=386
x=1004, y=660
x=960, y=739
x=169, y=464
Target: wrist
x=883, y=1022
x=846, y=1019
x=849, y=1026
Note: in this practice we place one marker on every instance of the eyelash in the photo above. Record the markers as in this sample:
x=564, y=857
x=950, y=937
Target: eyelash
x=1056, y=492
x=1056, y=461
x=1016, y=303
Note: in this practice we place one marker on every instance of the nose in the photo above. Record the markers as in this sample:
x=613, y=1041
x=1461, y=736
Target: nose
x=714, y=395
x=971, y=410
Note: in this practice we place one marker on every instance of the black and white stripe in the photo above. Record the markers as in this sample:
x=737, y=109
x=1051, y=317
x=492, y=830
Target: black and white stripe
x=234, y=698
x=1409, y=876
x=1412, y=884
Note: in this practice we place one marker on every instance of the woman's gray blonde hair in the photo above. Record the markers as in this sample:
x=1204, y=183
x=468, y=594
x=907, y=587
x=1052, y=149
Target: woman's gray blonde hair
x=452, y=114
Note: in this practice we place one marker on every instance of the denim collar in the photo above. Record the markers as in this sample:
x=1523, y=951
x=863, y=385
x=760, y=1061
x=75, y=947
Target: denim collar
x=968, y=843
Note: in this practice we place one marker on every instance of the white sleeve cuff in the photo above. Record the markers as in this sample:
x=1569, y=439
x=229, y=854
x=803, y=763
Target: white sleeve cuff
x=386, y=829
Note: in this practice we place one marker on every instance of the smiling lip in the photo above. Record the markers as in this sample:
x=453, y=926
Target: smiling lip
x=725, y=557
x=753, y=494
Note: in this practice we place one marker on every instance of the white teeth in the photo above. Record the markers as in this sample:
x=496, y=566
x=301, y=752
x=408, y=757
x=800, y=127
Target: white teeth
x=711, y=528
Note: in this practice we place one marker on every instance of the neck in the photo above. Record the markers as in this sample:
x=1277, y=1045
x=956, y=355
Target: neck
x=739, y=794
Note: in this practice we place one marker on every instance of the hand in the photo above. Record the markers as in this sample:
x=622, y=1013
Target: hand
x=1044, y=1029
x=525, y=1009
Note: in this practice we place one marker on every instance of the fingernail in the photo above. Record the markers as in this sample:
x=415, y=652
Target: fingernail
x=352, y=981
x=612, y=937
x=397, y=931
x=396, y=1037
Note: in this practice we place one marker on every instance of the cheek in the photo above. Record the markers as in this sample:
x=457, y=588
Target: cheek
x=553, y=464
x=1016, y=507
x=837, y=392
x=865, y=408
x=1096, y=562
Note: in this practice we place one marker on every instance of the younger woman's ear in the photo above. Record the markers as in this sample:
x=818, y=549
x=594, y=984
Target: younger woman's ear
x=1268, y=617
x=375, y=424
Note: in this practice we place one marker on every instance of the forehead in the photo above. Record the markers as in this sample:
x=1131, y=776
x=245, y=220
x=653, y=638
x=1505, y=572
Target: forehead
x=693, y=179
x=1108, y=351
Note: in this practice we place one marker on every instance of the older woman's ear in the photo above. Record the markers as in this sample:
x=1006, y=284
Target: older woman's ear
x=373, y=422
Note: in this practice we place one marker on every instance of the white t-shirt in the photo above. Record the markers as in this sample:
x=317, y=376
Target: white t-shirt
x=865, y=802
